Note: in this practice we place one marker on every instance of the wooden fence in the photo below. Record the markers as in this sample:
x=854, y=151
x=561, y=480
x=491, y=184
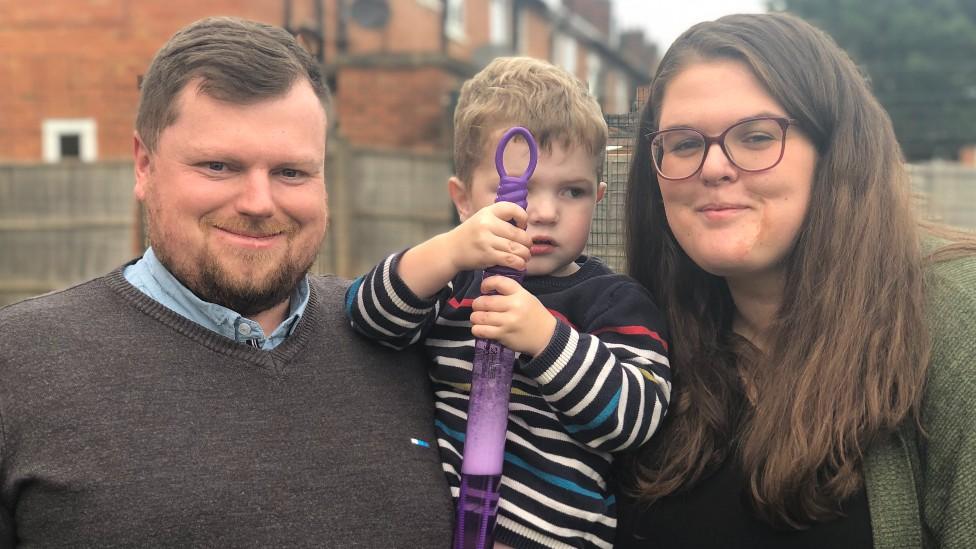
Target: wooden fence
x=62, y=224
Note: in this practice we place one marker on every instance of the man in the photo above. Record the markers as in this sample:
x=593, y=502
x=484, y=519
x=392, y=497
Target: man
x=211, y=393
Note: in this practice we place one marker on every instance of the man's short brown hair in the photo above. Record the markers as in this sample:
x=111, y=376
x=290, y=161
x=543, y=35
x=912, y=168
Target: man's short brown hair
x=234, y=59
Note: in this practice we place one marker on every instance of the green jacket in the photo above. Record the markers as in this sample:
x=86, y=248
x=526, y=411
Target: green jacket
x=922, y=488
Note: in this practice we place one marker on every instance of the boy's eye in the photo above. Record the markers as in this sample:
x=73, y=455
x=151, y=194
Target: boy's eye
x=575, y=192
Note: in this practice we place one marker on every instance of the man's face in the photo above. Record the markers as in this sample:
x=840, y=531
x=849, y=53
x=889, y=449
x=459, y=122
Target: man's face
x=235, y=195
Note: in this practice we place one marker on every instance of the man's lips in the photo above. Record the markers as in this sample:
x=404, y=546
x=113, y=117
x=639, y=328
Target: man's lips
x=253, y=239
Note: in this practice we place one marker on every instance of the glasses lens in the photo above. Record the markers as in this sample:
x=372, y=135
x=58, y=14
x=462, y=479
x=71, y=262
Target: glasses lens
x=755, y=145
x=678, y=153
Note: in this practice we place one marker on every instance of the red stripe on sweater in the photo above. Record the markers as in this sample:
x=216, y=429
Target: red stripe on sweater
x=453, y=302
x=560, y=316
x=633, y=330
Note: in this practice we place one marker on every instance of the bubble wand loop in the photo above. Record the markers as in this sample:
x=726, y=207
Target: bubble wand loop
x=491, y=382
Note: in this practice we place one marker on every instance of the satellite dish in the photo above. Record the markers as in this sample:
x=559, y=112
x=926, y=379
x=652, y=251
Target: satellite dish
x=371, y=14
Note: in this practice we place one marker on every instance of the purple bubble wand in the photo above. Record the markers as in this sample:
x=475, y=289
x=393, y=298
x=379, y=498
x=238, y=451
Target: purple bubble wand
x=491, y=383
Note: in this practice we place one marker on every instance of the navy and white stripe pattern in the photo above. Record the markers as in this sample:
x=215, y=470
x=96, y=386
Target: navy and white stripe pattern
x=602, y=385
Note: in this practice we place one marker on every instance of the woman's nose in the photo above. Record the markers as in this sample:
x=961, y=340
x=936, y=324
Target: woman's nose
x=717, y=166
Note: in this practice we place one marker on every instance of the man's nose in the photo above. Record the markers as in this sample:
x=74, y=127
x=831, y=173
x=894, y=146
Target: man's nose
x=255, y=198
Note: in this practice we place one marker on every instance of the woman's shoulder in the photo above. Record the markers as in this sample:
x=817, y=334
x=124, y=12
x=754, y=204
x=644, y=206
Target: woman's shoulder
x=950, y=287
x=951, y=311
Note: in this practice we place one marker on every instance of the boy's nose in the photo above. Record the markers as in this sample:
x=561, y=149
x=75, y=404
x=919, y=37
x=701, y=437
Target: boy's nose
x=542, y=210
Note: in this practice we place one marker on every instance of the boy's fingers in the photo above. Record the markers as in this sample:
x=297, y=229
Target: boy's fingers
x=519, y=249
x=501, y=284
x=510, y=211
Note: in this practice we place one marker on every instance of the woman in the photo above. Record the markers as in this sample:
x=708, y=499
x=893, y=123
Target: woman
x=822, y=343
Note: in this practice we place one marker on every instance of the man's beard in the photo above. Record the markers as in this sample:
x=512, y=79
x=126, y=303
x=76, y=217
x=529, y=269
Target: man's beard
x=212, y=283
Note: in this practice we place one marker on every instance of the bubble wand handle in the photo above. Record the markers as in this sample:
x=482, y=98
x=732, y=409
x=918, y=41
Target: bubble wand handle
x=491, y=382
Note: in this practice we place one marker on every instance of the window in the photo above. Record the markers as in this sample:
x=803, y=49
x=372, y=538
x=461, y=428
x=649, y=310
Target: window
x=500, y=18
x=68, y=139
x=454, y=19
x=564, y=52
x=593, y=75
x=70, y=146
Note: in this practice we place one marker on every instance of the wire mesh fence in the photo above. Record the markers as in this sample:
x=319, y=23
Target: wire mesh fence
x=607, y=230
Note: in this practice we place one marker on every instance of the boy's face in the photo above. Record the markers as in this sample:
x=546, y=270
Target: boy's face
x=562, y=194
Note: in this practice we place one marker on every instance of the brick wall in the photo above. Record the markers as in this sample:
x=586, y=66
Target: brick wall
x=82, y=58
x=397, y=105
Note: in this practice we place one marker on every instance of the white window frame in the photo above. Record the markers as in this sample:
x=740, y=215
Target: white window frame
x=500, y=22
x=454, y=20
x=594, y=66
x=53, y=128
x=565, y=54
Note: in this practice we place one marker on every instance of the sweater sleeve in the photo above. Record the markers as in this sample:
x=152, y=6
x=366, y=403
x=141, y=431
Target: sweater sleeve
x=948, y=452
x=380, y=306
x=609, y=379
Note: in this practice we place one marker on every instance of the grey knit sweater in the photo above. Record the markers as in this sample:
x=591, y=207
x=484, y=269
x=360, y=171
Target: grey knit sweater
x=124, y=424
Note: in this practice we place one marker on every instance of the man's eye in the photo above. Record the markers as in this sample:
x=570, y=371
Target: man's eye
x=290, y=173
x=216, y=166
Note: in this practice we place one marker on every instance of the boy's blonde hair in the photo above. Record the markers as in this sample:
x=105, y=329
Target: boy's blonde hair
x=522, y=91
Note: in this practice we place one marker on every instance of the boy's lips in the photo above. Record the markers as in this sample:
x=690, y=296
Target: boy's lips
x=542, y=245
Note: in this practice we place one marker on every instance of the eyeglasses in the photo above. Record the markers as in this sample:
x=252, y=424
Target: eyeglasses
x=752, y=145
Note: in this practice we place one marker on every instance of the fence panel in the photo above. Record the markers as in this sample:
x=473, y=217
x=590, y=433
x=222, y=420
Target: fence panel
x=62, y=224
x=946, y=193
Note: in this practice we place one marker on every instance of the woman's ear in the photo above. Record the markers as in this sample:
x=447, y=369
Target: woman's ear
x=461, y=196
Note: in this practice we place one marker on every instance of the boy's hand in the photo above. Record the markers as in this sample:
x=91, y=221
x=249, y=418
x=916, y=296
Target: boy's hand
x=487, y=239
x=484, y=240
x=514, y=317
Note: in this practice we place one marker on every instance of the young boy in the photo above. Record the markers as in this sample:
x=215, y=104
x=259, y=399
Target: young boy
x=592, y=375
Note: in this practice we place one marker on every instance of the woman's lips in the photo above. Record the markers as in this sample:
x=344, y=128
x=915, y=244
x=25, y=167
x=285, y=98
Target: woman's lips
x=718, y=212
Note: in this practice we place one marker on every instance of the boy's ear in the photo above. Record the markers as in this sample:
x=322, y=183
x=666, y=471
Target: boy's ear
x=461, y=196
x=601, y=189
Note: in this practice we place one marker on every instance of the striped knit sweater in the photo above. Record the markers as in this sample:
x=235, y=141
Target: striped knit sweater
x=583, y=398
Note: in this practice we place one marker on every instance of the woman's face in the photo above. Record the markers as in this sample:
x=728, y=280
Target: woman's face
x=734, y=223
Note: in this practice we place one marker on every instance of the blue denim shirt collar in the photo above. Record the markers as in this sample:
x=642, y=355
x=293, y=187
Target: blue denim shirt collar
x=153, y=279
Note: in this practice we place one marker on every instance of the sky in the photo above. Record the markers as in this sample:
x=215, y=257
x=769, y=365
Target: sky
x=663, y=21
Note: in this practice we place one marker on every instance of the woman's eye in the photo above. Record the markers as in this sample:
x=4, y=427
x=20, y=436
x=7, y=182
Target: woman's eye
x=686, y=145
x=757, y=138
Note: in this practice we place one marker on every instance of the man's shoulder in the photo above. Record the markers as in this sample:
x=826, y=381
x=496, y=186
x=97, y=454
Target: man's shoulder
x=62, y=303
x=329, y=286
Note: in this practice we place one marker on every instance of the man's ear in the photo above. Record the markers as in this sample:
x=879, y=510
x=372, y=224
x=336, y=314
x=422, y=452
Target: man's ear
x=461, y=196
x=143, y=166
x=601, y=190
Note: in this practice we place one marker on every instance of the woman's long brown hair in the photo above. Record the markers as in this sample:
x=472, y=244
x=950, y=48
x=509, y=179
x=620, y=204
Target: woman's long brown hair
x=848, y=350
